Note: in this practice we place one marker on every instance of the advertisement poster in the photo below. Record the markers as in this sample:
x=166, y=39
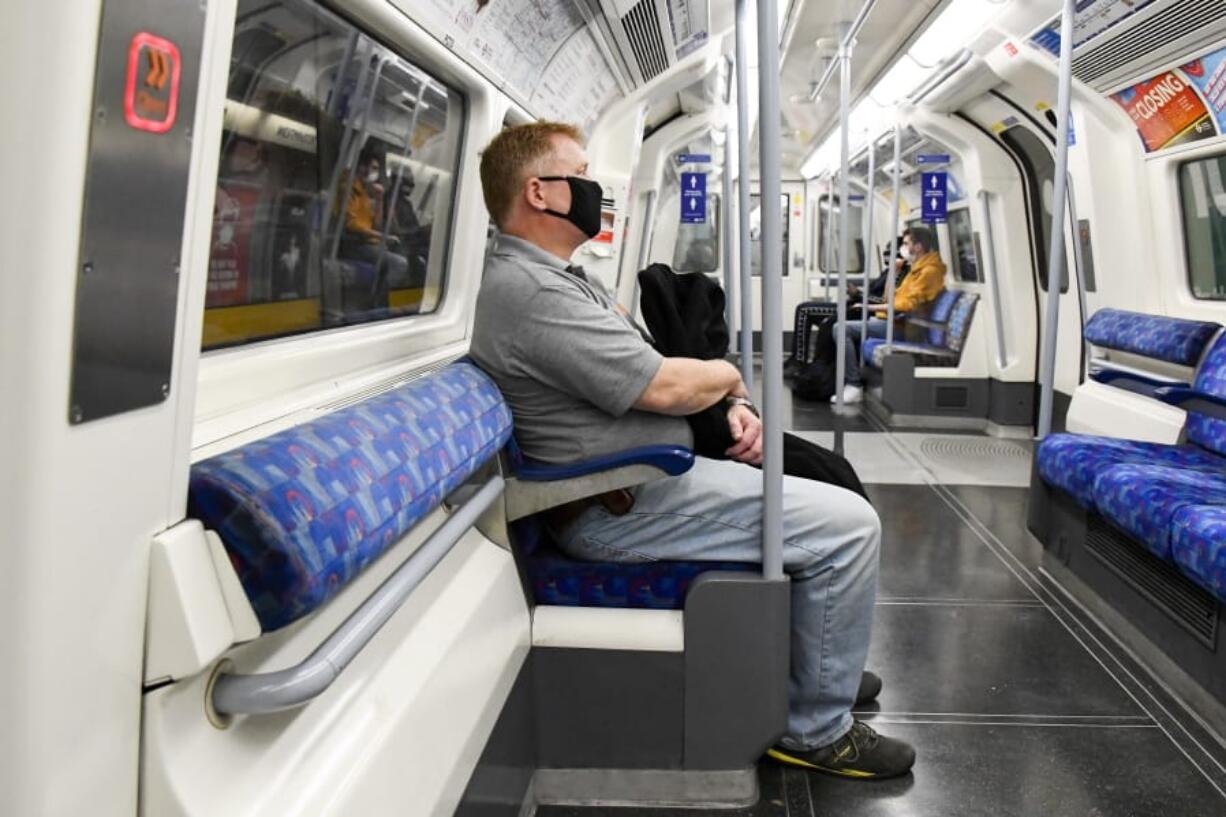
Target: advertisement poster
x=1181, y=105
x=1208, y=74
x=229, y=256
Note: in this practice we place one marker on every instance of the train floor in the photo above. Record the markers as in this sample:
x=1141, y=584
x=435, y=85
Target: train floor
x=1015, y=699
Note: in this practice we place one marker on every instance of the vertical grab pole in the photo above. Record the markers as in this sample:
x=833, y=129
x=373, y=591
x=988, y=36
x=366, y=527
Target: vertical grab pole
x=844, y=214
x=725, y=231
x=769, y=140
x=742, y=184
x=891, y=282
x=869, y=253
x=1055, y=262
x=828, y=258
x=649, y=228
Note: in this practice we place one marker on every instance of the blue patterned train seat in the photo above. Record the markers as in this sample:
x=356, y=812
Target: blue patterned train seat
x=1145, y=488
x=304, y=511
x=1071, y=462
x=1173, y=340
x=1143, y=500
x=558, y=579
x=1198, y=545
x=944, y=347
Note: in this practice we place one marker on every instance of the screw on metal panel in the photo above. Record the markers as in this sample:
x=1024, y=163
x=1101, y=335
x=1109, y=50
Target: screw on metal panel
x=187, y=134
x=176, y=269
x=87, y=267
x=100, y=114
x=165, y=390
x=76, y=414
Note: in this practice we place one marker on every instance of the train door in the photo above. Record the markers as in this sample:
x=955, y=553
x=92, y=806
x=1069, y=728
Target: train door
x=792, y=255
x=1032, y=145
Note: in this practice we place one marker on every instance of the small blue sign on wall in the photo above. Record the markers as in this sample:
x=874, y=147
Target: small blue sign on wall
x=934, y=197
x=693, y=198
x=693, y=158
x=932, y=159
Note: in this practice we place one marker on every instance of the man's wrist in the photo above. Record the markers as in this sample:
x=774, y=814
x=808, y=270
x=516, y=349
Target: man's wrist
x=733, y=400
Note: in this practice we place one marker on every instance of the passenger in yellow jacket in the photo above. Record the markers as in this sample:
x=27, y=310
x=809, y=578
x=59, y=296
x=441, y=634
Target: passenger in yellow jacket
x=920, y=288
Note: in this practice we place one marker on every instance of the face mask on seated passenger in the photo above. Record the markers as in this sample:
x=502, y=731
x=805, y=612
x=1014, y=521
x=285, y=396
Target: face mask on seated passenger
x=584, y=203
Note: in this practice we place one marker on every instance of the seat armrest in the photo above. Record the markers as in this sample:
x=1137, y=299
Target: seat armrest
x=535, y=486
x=1190, y=399
x=927, y=324
x=1132, y=380
x=671, y=459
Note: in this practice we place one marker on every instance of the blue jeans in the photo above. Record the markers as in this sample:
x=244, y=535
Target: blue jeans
x=851, y=355
x=830, y=550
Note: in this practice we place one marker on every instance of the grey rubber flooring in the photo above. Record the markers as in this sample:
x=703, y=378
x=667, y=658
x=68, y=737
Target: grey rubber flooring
x=1016, y=704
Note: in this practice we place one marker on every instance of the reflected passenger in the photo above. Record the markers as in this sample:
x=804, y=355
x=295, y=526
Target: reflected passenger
x=582, y=381
x=362, y=239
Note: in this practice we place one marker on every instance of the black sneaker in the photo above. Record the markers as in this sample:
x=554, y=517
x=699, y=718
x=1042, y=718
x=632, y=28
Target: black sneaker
x=861, y=754
x=870, y=688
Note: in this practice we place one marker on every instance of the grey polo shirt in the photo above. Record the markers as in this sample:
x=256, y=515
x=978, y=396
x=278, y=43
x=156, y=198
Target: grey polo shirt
x=570, y=365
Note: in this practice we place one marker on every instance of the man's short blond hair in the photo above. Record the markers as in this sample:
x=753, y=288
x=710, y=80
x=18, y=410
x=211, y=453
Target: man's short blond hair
x=514, y=156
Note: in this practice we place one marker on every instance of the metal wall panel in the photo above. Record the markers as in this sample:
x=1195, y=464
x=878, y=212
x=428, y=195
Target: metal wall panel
x=136, y=190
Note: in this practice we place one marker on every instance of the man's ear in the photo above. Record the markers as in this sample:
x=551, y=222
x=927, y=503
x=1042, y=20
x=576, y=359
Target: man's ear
x=534, y=194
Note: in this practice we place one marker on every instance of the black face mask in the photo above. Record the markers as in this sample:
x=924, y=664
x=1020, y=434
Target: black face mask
x=585, y=197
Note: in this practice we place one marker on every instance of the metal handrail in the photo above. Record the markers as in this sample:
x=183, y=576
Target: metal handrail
x=1056, y=259
x=993, y=280
x=745, y=264
x=284, y=689
x=649, y=229
x=769, y=163
x=844, y=217
x=891, y=282
x=848, y=37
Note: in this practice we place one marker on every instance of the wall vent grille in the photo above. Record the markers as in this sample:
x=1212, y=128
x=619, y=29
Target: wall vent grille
x=642, y=27
x=1156, y=579
x=1177, y=19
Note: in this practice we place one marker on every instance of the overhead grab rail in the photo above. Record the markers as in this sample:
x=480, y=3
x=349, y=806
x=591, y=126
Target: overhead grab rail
x=848, y=37
x=296, y=685
x=947, y=69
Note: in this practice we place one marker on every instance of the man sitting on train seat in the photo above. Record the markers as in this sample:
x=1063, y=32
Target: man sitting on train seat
x=809, y=314
x=582, y=381
x=363, y=239
x=920, y=288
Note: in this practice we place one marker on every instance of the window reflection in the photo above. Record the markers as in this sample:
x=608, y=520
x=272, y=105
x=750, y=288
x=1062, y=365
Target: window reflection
x=334, y=189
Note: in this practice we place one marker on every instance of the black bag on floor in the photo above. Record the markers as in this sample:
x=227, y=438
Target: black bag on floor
x=816, y=381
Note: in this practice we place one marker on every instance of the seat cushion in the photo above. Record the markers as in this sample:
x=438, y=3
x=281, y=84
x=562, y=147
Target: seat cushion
x=941, y=309
x=559, y=580
x=1156, y=336
x=1198, y=546
x=1210, y=379
x=1071, y=462
x=1142, y=500
x=304, y=511
x=924, y=354
x=960, y=321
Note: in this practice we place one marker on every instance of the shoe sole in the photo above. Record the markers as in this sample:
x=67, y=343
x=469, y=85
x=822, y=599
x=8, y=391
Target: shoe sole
x=788, y=760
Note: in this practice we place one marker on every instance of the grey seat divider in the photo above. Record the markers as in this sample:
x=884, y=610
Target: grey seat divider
x=294, y=686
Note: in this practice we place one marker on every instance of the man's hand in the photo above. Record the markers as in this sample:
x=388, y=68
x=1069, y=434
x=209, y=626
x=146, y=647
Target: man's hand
x=747, y=431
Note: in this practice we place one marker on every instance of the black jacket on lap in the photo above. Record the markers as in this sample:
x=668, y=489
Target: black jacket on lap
x=685, y=316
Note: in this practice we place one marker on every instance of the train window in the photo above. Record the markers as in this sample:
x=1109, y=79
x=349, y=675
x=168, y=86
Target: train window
x=965, y=256
x=755, y=232
x=1203, y=198
x=334, y=190
x=855, y=229
x=697, y=247
x=1040, y=170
